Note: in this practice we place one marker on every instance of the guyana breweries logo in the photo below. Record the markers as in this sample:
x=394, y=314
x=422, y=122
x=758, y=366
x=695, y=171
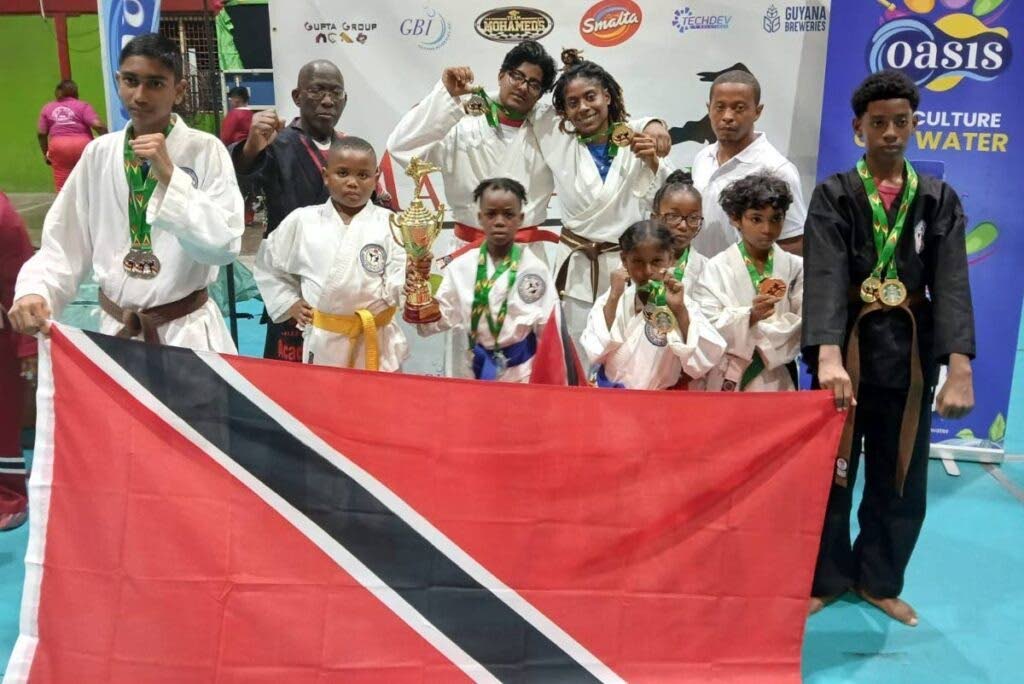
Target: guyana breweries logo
x=939, y=55
x=513, y=24
x=611, y=22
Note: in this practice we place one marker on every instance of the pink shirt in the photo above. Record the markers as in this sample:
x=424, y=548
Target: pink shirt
x=67, y=116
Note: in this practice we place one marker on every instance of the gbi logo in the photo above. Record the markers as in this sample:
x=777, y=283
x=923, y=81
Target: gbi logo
x=432, y=29
x=939, y=56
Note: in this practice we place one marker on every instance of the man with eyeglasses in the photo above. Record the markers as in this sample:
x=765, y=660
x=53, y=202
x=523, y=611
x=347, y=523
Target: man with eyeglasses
x=284, y=163
x=734, y=108
x=473, y=135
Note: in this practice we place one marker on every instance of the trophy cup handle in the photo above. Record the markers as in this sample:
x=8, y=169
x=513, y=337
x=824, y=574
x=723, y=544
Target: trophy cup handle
x=438, y=221
x=394, y=224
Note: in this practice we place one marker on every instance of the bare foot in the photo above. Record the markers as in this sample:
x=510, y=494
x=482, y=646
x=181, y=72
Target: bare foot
x=896, y=608
x=819, y=602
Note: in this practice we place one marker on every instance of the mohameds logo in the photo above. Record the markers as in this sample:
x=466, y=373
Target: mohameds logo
x=611, y=22
x=938, y=54
x=514, y=24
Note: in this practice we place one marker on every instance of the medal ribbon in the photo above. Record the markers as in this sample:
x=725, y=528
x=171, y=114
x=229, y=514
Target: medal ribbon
x=655, y=291
x=680, y=268
x=613, y=149
x=887, y=238
x=756, y=363
x=141, y=185
x=482, y=292
x=755, y=277
x=493, y=109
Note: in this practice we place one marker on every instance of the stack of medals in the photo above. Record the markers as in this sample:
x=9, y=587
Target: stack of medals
x=656, y=311
x=482, y=300
x=140, y=262
x=890, y=292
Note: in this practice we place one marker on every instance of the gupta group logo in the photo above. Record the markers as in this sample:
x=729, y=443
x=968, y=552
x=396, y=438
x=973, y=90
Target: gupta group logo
x=514, y=24
x=431, y=30
x=342, y=32
x=611, y=22
x=684, y=20
x=940, y=48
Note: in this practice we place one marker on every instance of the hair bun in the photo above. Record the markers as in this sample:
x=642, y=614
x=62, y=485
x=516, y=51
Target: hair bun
x=571, y=57
x=679, y=176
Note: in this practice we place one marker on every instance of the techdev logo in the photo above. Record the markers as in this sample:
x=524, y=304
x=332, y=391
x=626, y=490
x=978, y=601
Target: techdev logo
x=938, y=56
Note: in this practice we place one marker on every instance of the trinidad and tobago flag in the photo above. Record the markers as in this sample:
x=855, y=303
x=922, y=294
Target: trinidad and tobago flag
x=208, y=518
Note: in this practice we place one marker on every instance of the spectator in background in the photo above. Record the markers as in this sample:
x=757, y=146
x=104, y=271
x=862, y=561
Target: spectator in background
x=65, y=128
x=17, y=370
x=235, y=127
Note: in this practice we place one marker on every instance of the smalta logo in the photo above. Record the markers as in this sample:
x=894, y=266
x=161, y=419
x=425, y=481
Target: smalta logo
x=940, y=54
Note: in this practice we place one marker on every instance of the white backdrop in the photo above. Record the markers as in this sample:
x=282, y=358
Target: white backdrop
x=392, y=52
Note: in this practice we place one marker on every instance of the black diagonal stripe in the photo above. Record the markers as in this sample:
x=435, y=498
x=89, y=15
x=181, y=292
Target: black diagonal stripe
x=457, y=605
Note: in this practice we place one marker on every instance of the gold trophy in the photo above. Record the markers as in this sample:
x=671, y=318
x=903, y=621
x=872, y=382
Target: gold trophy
x=417, y=229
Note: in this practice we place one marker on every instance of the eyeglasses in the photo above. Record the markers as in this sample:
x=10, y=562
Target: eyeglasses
x=519, y=78
x=319, y=92
x=694, y=220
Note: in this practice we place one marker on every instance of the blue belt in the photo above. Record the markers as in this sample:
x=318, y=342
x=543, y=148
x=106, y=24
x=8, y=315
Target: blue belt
x=487, y=363
x=603, y=381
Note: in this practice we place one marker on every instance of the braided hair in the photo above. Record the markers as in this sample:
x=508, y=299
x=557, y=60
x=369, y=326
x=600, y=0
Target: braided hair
x=645, y=230
x=501, y=185
x=677, y=181
x=577, y=67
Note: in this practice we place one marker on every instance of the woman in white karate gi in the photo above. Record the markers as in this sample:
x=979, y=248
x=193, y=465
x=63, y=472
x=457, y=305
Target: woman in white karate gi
x=645, y=332
x=336, y=270
x=753, y=292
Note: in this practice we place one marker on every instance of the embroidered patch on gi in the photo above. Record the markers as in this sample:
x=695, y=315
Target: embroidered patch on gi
x=919, y=237
x=372, y=257
x=531, y=288
x=191, y=174
x=654, y=336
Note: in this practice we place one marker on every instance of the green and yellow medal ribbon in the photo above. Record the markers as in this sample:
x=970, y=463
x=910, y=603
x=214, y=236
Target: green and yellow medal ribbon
x=493, y=107
x=655, y=291
x=141, y=185
x=887, y=238
x=613, y=149
x=482, y=292
x=756, y=363
x=680, y=268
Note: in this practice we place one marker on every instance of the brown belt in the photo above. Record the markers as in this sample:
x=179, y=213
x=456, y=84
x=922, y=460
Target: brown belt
x=912, y=407
x=148, y=321
x=589, y=249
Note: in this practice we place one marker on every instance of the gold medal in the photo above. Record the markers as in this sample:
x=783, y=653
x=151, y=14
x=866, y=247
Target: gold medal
x=622, y=135
x=663, y=321
x=893, y=292
x=869, y=289
x=475, y=106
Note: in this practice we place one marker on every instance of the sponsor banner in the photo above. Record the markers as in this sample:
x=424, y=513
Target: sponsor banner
x=120, y=21
x=961, y=55
x=236, y=530
x=665, y=54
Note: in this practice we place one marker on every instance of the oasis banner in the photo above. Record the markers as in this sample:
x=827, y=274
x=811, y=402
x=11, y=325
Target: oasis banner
x=664, y=53
x=960, y=53
x=120, y=21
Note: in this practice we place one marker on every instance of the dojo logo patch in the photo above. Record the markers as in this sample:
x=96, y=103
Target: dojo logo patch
x=372, y=258
x=655, y=336
x=514, y=24
x=611, y=22
x=531, y=288
x=191, y=173
x=940, y=55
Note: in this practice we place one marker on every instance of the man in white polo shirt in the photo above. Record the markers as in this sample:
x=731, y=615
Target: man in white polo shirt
x=734, y=108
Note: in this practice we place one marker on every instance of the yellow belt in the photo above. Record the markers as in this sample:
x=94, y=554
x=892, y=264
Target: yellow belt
x=353, y=326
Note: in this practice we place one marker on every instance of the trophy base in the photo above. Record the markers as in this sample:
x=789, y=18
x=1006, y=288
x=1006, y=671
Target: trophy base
x=423, y=313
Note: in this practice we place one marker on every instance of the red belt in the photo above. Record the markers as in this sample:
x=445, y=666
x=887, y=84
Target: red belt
x=475, y=238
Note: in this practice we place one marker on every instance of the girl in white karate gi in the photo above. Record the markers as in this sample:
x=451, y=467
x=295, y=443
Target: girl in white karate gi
x=753, y=291
x=677, y=204
x=604, y=182
x=499, y=295
x=645, y=332
x=336, y=270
